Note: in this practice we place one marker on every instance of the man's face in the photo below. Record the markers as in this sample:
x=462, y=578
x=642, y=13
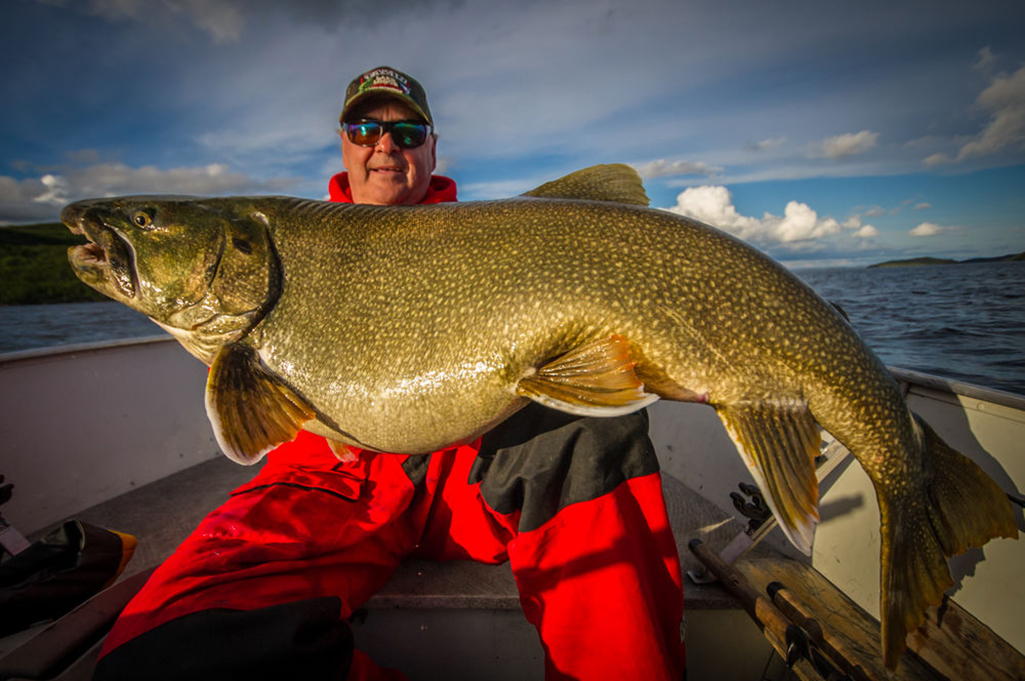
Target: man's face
x=385, y=174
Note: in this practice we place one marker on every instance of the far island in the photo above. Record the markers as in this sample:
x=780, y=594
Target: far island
x=917, y=262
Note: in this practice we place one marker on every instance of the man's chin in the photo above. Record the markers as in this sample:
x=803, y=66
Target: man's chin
x=381, y=190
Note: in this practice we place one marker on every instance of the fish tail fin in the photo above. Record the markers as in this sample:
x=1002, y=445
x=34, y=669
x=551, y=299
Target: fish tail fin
x=971, y=506
x=964, y=508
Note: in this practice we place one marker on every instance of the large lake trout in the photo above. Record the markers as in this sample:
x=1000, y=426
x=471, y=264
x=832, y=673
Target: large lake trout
x=407, y=329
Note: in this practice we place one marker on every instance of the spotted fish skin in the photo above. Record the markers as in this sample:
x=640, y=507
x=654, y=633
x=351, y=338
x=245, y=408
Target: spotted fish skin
x=407, y=329
x=438, y=286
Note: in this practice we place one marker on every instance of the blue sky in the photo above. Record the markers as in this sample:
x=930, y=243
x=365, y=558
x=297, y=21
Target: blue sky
x=824, y=133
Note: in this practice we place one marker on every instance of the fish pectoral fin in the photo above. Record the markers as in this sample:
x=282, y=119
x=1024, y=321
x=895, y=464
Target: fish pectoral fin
x=251, y=410
x=779, y=444
x=596, y=379
x=617, y=183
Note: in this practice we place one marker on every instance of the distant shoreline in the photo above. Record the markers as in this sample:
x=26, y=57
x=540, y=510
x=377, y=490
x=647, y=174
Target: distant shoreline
x=34, y=266
x=921, y=262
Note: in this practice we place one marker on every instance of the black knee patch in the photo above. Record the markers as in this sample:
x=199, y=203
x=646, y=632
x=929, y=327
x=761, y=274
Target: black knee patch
x=540, y=460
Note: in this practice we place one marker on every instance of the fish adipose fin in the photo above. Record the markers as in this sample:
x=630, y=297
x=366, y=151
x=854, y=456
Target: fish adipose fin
x=250, y=409
x=596, y=379
x=779, y=443
x=964, y=509
x=617, y=183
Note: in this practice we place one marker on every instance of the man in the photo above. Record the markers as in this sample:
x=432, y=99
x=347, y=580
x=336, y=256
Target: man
x=263, y=588
x=394, y=168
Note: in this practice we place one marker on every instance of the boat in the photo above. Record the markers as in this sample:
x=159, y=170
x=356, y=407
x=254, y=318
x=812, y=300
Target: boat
x=115, y=434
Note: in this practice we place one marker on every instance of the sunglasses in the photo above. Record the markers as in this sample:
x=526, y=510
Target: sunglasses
x=405, y=134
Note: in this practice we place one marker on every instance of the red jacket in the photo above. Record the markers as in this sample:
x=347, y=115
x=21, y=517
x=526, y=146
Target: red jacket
x=441, y=190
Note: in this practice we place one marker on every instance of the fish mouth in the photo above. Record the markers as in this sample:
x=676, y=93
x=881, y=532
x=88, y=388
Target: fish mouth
x=107, y=261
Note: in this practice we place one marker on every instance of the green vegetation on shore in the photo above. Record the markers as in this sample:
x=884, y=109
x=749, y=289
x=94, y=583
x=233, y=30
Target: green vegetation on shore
x=34, y=266
x=912, y=262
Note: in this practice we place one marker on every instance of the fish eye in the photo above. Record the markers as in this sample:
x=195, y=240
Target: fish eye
x=142, y=219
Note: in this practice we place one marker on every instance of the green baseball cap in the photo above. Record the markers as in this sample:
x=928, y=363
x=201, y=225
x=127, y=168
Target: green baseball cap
x=385, y=81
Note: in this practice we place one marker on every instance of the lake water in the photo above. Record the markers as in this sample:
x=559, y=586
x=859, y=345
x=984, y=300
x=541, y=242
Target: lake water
x=965, y=322
x=24, y=327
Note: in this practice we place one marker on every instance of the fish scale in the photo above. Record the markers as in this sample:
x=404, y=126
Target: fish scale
x=410, y=328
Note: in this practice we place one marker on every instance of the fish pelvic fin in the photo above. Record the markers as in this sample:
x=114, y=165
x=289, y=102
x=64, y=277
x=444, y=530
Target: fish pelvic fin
x=964, y=508
x=343, y=452
x=250, y=409
x=595, y=379
x=779, y=443
x=617, y=183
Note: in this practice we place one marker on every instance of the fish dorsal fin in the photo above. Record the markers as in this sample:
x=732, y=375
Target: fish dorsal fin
x=779, y=443
x=596, y=379
x=618, y=183
x=251, y=410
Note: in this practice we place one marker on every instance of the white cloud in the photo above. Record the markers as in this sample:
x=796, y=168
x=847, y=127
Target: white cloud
x=859, y=230
x=986, y=60
x=41, y=198
x=928, y=229
x=714, y=205
x=1005, y=98
x=842, y=146
x=664, y=168
x=936, y=160
x=109, y=179
x=19, y=200
x=223, y=20
x=800, y=222
x=56, y=190
x=923, y=206
x=768, y=144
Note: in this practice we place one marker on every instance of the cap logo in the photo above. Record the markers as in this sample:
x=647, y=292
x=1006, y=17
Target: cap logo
x=383, y=78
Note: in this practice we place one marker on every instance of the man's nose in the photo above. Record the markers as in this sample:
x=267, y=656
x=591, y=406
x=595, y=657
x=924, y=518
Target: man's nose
x=386, y=144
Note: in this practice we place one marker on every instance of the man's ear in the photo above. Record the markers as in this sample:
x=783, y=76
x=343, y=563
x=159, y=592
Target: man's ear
x=341, y=144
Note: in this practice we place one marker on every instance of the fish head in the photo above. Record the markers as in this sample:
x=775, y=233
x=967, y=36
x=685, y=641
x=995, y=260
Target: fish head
x=203, y=268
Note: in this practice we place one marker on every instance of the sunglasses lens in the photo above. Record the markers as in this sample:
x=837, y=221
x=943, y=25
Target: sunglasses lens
x=409, y=135
x=364, y=133
x=406, y=134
